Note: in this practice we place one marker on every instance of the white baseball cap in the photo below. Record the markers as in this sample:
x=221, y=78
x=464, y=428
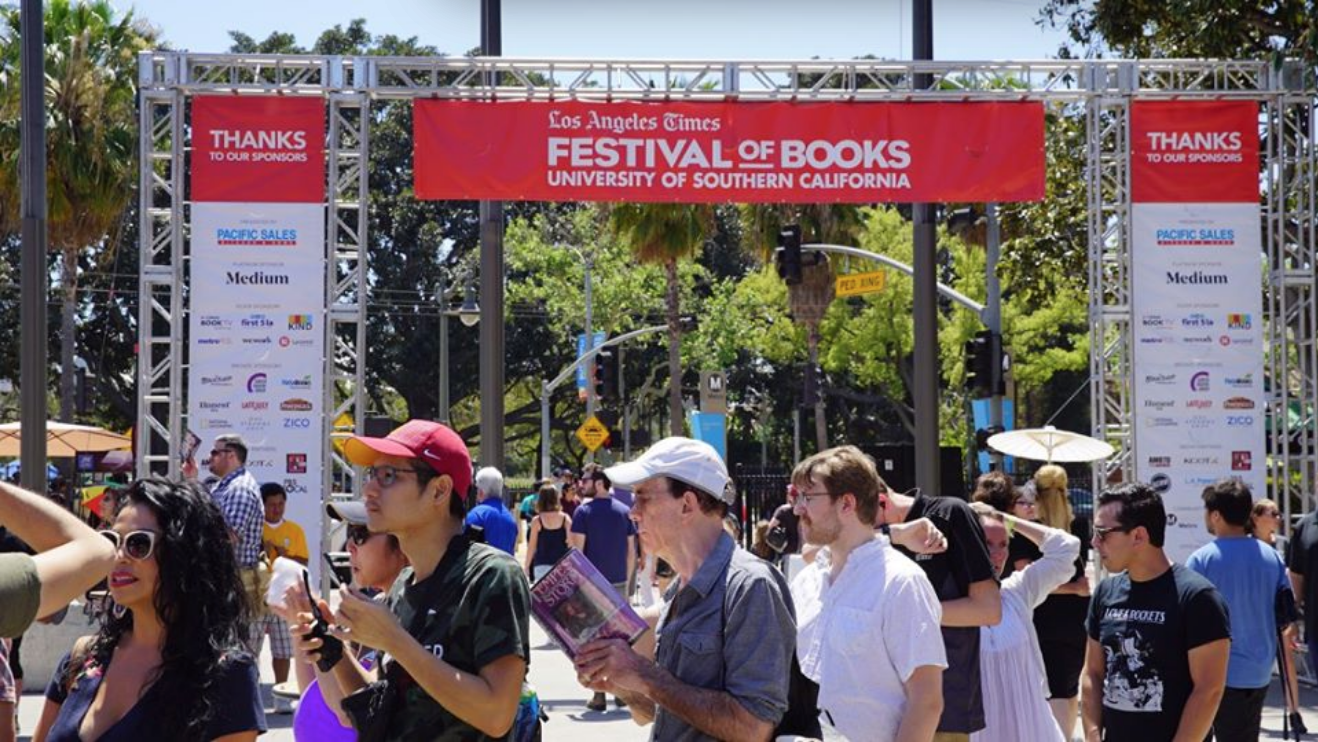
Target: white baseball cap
x=693, y=462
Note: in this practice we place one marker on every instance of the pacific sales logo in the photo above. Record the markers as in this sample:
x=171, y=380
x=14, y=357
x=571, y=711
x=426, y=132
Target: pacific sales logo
x=295, y=405
x=1239, y=322
x=1199, y=382
x=1242, y=460
x=1195, y=237
x=1197, y=278
x=299, y=322
x=1238, y=403
x=256, y=383
x=260, y=278
x=234, y=236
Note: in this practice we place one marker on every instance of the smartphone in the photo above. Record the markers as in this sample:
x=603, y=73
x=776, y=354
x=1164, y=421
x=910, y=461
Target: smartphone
x=331, y=650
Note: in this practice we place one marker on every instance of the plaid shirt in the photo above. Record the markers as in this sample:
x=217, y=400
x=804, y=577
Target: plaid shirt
x=239, y=499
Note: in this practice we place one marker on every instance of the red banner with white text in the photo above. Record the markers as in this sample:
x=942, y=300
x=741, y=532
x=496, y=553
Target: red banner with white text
x=1194, y=152
x=267, y=149
x=711, y=152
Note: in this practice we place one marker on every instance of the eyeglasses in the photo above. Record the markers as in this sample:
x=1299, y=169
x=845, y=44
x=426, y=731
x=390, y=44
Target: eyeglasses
x=1102, y=533
x=359, y=535
x=137, y=545
x=795, y=496
x=386, y=475
x=218, y=451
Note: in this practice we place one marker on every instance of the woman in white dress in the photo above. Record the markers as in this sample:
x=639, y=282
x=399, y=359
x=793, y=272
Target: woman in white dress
x=1010, y=663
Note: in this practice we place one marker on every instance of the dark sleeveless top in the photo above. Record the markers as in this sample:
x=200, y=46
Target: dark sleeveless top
x=551, y=545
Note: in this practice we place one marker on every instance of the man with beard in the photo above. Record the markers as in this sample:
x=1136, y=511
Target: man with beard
x=867, y=616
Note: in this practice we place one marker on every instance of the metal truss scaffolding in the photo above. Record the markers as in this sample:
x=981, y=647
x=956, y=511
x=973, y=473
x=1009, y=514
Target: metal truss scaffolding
x=1106, y=88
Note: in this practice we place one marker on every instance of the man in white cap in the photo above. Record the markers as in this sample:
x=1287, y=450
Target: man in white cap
x=726, y=633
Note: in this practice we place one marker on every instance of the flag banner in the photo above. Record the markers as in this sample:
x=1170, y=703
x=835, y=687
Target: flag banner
x=713, y=152
x=258, y=149
x=1197, y=308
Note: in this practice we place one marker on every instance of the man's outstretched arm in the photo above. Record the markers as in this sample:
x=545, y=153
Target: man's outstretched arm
x=71, y=556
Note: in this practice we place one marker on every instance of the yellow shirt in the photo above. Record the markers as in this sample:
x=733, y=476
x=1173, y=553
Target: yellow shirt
x=288, y=536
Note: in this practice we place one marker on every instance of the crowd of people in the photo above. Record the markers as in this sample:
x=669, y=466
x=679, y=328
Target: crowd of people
x=861, y=611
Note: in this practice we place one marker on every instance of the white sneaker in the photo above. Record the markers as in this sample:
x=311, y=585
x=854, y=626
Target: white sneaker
x=283, y=705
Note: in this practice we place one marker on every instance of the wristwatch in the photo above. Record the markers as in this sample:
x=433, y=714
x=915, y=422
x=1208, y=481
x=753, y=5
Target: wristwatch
x=886, y=530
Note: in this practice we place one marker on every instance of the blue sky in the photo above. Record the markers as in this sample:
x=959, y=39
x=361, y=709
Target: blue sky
x=624, y=29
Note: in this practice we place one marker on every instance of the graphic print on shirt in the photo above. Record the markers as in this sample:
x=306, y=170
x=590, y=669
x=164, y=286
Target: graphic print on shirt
x=1132, y=683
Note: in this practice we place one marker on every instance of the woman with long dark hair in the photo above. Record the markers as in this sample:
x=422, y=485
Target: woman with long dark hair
x=168, y=661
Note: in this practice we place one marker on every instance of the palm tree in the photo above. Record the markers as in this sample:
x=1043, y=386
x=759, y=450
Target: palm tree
x=665, y=234
x=809, y=300
x=91, y=138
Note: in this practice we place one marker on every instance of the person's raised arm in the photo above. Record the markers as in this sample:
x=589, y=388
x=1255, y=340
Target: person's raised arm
x=71, y=556
x=970, y=563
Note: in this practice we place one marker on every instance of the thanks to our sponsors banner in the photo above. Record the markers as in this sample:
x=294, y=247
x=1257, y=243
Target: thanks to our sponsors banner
x=701, y=152
x=257, y=288
x=1197, y=310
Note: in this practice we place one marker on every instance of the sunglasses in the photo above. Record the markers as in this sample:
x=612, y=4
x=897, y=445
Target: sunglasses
x=218, y=451
x=359, y=535
x=386, y=475
x=137, y=545
x=1102, y=533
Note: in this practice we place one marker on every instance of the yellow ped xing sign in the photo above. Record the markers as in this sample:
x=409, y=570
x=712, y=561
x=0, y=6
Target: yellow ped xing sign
x=855, y=284
x=593, y=433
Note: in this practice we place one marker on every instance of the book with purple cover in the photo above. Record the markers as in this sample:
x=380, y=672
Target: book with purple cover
x=575, y=604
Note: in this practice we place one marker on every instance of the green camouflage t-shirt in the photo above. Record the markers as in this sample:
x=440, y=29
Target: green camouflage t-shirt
x=478, y=607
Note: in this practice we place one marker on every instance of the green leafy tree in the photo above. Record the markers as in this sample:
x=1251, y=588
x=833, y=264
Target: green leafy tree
x=665, y=234
x=91, y=139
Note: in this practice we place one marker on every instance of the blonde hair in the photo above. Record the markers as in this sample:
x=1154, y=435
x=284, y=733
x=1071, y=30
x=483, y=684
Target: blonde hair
x=1052, y=500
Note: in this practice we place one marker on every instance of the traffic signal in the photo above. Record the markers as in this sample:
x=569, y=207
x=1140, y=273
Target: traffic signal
x=606, y=374
x=788, y=255
x=979, y=363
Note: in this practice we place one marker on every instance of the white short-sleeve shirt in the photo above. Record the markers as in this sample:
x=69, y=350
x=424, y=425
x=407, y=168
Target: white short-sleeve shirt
x=863, y=634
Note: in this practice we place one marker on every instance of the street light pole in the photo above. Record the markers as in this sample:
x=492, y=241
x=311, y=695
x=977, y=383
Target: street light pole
x=32, y=158
x=442, y=414
x=492, y=267
x=926, y=292
x=590, y=343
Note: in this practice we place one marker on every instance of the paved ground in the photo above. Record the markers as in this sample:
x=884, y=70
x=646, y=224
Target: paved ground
x=555, y=680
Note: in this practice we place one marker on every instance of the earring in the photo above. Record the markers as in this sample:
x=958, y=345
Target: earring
x=118, y=610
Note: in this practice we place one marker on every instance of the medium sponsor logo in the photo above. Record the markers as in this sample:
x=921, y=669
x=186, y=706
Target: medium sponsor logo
x=1239, y=322
x=257, y=278
x=299, y=322
x=1238, y=403
x=1197, y=320
x=295, y=463
x=1200, y=422
x=295, y=405
x=1200, y=382
x=1242, y=460
x=1199, y=480
x=1197, y=278
x=1240, y=382
x=260, y=463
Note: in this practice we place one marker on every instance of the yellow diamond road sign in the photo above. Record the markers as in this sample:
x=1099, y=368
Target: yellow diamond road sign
x=855, y=284
x=592, y=433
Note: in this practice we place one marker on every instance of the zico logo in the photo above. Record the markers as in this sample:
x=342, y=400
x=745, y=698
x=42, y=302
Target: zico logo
x=1238, y=403
x=299, y=322
x=1199, y=382
x=295, y=405
x=297, y=423
x=226, y=237
x=259, y=278
x=256, y=383
x=1195, y=237
x=1239, y=421
x=1198, y=278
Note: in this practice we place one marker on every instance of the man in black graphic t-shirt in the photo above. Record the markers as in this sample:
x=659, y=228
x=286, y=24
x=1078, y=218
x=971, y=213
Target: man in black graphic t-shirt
x=1159, y=635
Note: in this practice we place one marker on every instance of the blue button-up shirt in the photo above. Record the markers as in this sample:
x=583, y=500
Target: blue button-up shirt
x=731, y=628
x=500, y=528
x=239, y=499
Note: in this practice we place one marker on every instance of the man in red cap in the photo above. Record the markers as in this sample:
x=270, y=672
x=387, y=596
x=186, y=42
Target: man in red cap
x=454, y=632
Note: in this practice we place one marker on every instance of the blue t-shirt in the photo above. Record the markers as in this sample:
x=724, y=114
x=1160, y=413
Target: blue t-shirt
x=500, y=528
x=1248, y=573
x=606, y=524
x=235, y=698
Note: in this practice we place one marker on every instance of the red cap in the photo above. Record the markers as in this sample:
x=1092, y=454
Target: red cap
x=437, y=445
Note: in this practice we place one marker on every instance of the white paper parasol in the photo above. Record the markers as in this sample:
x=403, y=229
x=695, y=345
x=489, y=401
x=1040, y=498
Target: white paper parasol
x=1050, y=444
